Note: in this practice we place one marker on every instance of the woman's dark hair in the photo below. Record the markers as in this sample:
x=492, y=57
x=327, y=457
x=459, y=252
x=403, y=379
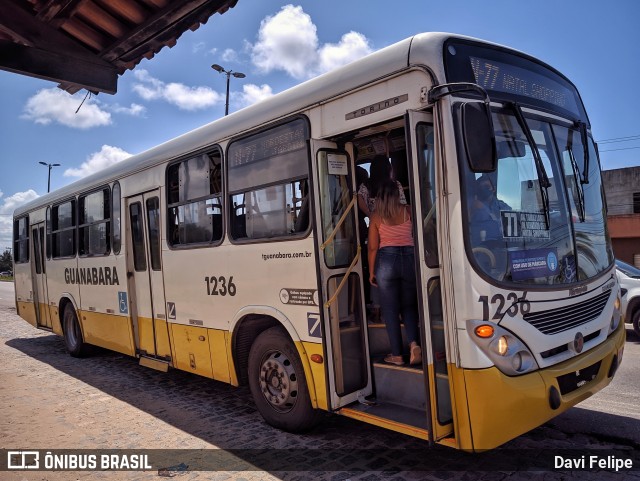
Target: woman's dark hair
x=388, y=201
x=379, y=172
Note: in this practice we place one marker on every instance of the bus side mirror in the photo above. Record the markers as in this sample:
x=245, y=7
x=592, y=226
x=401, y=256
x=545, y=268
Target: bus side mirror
x=479, y=136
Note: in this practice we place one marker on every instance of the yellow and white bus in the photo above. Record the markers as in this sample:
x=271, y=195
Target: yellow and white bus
x=234, y=252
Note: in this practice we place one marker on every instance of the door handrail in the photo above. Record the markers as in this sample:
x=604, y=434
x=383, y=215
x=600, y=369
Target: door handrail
x=340, y=222
x=344, y=278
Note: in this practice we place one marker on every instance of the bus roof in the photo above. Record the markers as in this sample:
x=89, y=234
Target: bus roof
x=421, y=49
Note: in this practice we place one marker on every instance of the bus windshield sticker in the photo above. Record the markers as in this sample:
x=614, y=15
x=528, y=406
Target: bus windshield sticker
x=530, y=225
x=337, y=164
x=300, y=297
x=313, y=320
x=533, y=263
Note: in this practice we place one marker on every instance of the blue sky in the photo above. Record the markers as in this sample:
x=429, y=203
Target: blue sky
x=277, y=45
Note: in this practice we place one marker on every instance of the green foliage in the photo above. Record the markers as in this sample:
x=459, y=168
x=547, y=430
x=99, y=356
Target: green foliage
x=6, y=261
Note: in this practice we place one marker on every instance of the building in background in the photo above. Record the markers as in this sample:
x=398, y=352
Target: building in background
x=622, y=187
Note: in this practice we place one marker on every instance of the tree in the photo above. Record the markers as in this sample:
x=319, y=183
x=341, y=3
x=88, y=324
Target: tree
x=6, y=261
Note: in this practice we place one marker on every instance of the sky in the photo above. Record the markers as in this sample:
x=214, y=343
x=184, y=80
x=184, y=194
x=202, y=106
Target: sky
x=277, y=45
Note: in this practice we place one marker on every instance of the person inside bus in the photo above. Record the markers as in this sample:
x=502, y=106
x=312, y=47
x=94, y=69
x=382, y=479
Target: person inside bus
x=486, y=220
x=391, y=251
x=380, y=171
x=302, y=220
x=361, y=177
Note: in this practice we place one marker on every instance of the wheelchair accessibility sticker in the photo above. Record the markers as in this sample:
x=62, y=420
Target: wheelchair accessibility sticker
x=122, y=302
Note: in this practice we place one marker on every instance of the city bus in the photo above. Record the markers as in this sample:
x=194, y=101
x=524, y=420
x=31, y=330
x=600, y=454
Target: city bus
x=235, y=251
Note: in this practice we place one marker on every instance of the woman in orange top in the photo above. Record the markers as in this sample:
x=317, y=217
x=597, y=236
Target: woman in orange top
x=391, y=251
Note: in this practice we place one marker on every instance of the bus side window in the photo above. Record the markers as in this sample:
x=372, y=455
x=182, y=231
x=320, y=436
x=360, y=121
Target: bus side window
x=268, y=179
x=194, y=200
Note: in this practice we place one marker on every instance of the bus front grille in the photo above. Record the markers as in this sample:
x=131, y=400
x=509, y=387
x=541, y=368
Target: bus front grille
x=564, y=318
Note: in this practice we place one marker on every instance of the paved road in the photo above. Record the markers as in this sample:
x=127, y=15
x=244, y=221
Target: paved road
x=7, y=294
x=49, y=400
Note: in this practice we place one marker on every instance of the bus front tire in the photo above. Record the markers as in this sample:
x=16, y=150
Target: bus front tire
x=278, y=384
x=72, y=333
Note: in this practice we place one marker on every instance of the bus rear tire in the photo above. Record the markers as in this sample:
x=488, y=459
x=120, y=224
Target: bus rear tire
x=72, y=333
x=278, y=384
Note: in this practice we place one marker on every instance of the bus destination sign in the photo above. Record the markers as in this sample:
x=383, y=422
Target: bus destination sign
x=502, y=77
x=275, y=142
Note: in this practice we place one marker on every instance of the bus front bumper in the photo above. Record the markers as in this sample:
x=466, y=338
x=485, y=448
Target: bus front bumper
x=501, y=407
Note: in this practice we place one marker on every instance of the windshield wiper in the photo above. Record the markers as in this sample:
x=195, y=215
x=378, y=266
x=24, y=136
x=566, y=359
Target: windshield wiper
x=585, y=138
x=577, y=179
x=543, y=178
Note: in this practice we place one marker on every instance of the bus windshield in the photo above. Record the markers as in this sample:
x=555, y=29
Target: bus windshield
x=524, y=229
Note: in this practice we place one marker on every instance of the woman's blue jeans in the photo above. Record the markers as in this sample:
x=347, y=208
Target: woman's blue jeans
x=396, y=277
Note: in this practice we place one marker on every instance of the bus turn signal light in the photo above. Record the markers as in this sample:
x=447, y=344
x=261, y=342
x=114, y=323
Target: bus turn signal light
x=316, y=358
x=484, y=331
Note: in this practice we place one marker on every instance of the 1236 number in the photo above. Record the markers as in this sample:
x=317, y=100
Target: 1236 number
x=498, y=302
x=220, y=286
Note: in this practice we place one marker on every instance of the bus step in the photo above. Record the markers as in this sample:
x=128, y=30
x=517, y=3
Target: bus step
x=154, y=363
x=412, y=422
x=379, y=340
x=400, y=385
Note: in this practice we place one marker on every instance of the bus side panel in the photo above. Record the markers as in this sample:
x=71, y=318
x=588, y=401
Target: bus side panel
x=317, y=374
x=24, y=292
x=219, y=361
x=27, y=311
x=210, y=286
x=191, y=348
x=56, y=322
x=108, y=330
x=163, y=345
x=503, y=407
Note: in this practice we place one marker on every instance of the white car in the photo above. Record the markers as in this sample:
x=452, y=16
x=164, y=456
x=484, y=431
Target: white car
x=629, y=278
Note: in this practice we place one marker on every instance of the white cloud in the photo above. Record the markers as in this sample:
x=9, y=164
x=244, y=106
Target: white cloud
x=7, y=207
x=352, y=46
x=55, y=105
x=252, y=94
x=198, y=46
x=288, y=41
x=229, y=55
x=180, y=95
x=136, y=110
x=97, y=161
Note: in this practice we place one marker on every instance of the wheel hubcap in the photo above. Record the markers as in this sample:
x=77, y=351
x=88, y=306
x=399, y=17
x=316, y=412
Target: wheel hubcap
x=278, y=381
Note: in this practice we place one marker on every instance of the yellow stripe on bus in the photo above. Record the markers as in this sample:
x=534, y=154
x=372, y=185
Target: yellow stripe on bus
x=108, y=331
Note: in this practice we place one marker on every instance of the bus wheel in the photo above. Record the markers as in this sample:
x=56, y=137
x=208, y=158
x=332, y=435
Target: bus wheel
x=72, y=333
x=277, y=382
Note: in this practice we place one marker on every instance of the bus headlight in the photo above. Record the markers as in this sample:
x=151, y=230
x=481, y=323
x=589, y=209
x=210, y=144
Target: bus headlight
x=503, y=346
x=506, y=351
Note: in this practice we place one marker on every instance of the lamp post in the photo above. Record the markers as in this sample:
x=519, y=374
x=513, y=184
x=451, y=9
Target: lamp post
x=49, y=178
x=229, y=73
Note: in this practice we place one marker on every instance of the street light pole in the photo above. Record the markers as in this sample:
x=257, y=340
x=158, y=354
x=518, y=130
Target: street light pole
x=49, y=178
x=229, y=73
